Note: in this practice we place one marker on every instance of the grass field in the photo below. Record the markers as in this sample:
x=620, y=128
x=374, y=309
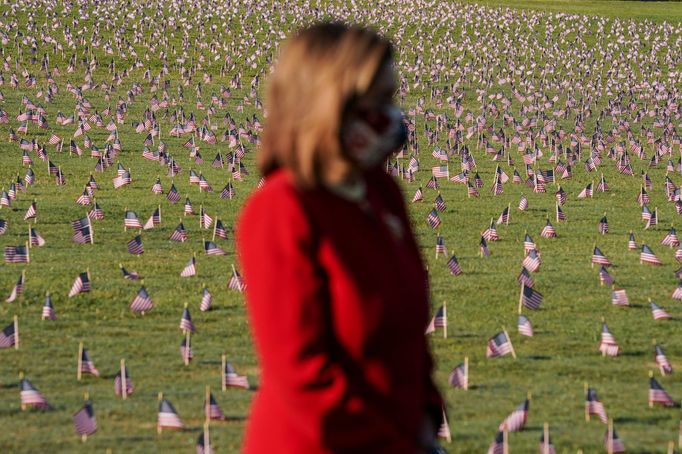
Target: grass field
x=553, y=365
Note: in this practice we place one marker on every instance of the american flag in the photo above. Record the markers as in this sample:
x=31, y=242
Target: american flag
x=602, y=186
x=228, y=191
x=671, y=238
x=612, y=442
x=190, y=268
x=677, y=293
x=471, y=190
x=439, y=203
x=131, y=221
x=213, y=410
x=525, y=278
x=30, y=177
x=87, y=366
x=646, y=213
x=528, y=244
x=84, y=420
x=8, y=336
x=142, y=301
x=211, y=248
x=31, y=397
x=608, y=345
x=130, y=275
x=498, y=345
x=186, y=350
x=517, y=419
x=205, y=220
x=658, y=395
x=523, y=203
x=548, y=447
x=32, y=211
x=48, y=309
x=643, y=197
x=490, y=234
x=632, y=245
x=432, y=183
x=586, y=192
x=236, y=282
x=524, y=325
x=593, y=406
x=17, y=254
x=532, y=261
x=96, y=213
x=658, y=312
x=440, y=246
x=504, y=216
x=497, y=446
x=122, y=180
x=662, y=361
x=17, y=290
x=619, y=298
x=135, y=246
x=173, y=195
x=433, y=220
x=220, y=230
x=530, y=298
x=648, y=256
x=80, y=285
x=157, y=188
x=3, y=226
x=603, y=227
x=483, y=247
x=203, y=445
x=453, y=266
x=118, y=389
x=204, y=185
x=154, y=219
x=441, y=171
x=548, y=230
x=653, y=219
x=84, y=198
x=439, y=320
x=186, y=324
x=206, y=300
x=168, y=418
x=598, y=257
x=604, y=276
x=444, y=428
x=458, y=378
x=179, y=234
x=232, y=379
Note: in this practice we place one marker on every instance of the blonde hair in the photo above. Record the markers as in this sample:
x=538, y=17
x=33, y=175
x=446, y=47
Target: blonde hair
x=319, y=73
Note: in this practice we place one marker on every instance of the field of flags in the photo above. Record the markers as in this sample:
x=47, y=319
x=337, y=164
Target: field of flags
x=542, y=173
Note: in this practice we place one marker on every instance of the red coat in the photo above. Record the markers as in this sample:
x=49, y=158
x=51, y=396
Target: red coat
x=338, y=304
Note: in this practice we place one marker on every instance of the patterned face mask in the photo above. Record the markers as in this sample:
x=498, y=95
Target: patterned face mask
x=373, y=135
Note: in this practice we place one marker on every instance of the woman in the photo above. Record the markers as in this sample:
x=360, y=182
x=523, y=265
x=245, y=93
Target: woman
x=336, y=290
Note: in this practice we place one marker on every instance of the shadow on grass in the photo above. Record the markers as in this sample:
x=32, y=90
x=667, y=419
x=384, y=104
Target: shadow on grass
x=539, y=357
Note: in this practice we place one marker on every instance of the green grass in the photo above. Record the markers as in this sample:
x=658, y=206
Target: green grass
x=553, y=366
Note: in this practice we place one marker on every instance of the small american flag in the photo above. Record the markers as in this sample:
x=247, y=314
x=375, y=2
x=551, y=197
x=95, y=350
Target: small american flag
x=84, y=420
x=205, y=220
x=186, y=350
x=135, y=246
x=593, y=406
x=48, y=309
x=118, y=389
x=186, y=324
x=497, y=446
x=458, y=378
x=131, y=221
x=532, y=261
x=658, y=312
x=168, y=418
x=612, y=442
x=179, y=234
x=190, y=269
x=453, y=266
x=608, y=345
x=548, y=230
x=517, y=419
x=499, y=345
x=648, y=256
x=154, y=219
x=658, y=395
x=87, y=365
x=546, y=447
x=17, y=254
x=80, y=285
x=586, y=192
x=603, y=227
x=662, y=361
x=619, y=298
x=173, y=195
x=525, y=278
x=203, y=445
x=31, y=397
x=232, y=379
x=213, y=410
x=142, y=301
x=236, y=282
x=598, y=257
x=211, y=248
x=8, y=336
x=206, y=300
x=604, y=276
x=530, y=298
x=523, y=203
x=438, y=321
x=524, y=325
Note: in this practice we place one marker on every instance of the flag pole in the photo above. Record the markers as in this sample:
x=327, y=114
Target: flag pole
x=609, y=438
x=30, y=243
x=671, y=447
x=92, y=230
x=510, y=342
x=28, y=252
x=651, y=402
x=187, y=347
x=124, y=382
x=86, y=397
x=445, y=321
x=222, y=371
x=545, y=444
x=466, y=373
x=521, y=299
x=207, y=405
x=215, y=226
x=16, y=332
x=159, y=213
x=159, y=429
x=80, y=361
x=505, y=439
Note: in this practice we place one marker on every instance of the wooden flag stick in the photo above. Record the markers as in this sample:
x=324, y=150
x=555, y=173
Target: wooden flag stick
x=159, y=213
x=651, y=402
x=92, y=230
x=609, y=438
x=159, y=429
x=187, y=347
x=215, y=226
x=30, y=243
x=16, y=332
x=466, y=373
x=28, y=253
x=545, y=443
x=80, y=361
x=521, y=300
x=671, y=447
x=222, y=369
x=505, y=439
x=587, y=410
x=124, y=383
x=510, y=342
x=125, y=228
x=207, y=405
x=445, y=321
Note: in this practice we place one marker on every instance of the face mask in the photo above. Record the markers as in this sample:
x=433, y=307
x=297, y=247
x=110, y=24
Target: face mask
x=371, y=138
